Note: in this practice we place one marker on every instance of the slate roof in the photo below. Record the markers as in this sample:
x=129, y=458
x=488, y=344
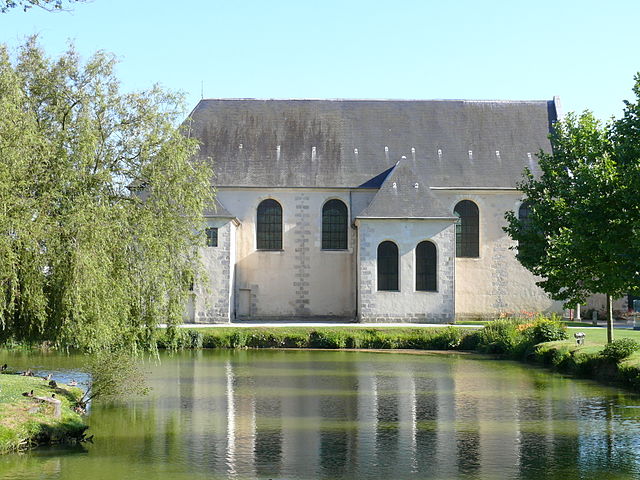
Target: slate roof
x=405, y=194
x=354, y=143
x=217, y=210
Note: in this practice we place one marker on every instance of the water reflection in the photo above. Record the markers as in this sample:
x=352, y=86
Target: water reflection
x=270, y=414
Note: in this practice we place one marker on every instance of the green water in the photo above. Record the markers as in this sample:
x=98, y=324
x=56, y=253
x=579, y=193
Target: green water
x=353, y=415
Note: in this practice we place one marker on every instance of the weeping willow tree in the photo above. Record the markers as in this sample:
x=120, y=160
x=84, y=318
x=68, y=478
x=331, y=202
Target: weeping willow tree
x=100, y=204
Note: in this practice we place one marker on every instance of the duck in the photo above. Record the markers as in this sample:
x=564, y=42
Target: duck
x=73, y=383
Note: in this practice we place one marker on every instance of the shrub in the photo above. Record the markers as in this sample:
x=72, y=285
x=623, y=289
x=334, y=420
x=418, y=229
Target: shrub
x=619, y=349
x=294, y=341
x=178, y=339
x=470, y=341
x=630, y=375
x=193, y=339
x=449, y=338
x=326, y=340
x=499, y=336
x=547, y=330
x=371, y=338
x=238, y=339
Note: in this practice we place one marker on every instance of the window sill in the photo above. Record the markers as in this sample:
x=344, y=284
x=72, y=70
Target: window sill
x=269, y=250
x=389, y=291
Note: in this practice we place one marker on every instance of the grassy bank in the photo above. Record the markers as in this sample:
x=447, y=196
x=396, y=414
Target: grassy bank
x=590, y=361
x=26, y=422
x=437, y=338
x=541, y=340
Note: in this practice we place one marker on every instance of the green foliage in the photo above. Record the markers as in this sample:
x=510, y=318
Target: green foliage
x=113, y=375
x=180, y=339
x=569, y=238
x=620, y=349
x=50, y=5
x=581, y=236
x=546, y=330
x=446, y=338
x=500, y=336
x=326, y=340
x=516, y=337
x=100, y=204
x=513, y=337
x=450, y=338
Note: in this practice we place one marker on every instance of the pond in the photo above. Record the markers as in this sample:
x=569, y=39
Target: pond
x=268, y=414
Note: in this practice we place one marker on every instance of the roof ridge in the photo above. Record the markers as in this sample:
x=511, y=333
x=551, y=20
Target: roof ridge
x=304, y=99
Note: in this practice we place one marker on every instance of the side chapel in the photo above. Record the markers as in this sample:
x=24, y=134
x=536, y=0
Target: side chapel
x=364, y=210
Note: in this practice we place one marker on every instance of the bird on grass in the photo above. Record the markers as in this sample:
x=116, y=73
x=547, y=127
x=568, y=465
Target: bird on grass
x=3, y=368
x=28, y=394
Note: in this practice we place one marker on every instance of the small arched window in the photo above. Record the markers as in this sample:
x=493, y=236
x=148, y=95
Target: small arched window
x=426, y=267
x=467, y=229
x=388, y=266
x=334, y=225
x=269, y=227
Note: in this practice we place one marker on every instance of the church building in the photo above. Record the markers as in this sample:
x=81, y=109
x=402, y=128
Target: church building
x=365, y=210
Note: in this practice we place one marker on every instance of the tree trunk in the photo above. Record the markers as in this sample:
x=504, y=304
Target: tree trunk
x=57, y=405
x=609, y=319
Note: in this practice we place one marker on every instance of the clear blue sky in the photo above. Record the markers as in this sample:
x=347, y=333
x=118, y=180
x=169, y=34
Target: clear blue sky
x=584, y=51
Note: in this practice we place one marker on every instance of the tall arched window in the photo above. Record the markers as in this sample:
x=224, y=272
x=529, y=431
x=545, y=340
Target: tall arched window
x=426, y=267
x=524, y=215
x=334, y=225
x=269, y=228
x=388, y=266
x=467, y=229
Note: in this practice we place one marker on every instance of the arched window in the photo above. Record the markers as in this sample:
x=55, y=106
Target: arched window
x=334, y=225
x=524, y=215
x=426, y=267
x=269, y=228
x=388, y=266
x=467, y=229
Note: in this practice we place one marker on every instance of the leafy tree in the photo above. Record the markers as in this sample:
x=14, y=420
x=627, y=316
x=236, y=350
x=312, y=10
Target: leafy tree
x=113, y=375
x=50, y=5
x=100, y=204
x=579, y=237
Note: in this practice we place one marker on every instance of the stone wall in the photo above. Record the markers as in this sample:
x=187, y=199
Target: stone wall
x=213, y=293
x=301, y=281
x=406, y=304
x=495, y=282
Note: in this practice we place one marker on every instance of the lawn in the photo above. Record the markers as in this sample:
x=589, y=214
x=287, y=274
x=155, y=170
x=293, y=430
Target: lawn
x=599, y=335
x=24, y=421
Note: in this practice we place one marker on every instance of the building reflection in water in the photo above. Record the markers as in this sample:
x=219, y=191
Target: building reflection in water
x=362, y=415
